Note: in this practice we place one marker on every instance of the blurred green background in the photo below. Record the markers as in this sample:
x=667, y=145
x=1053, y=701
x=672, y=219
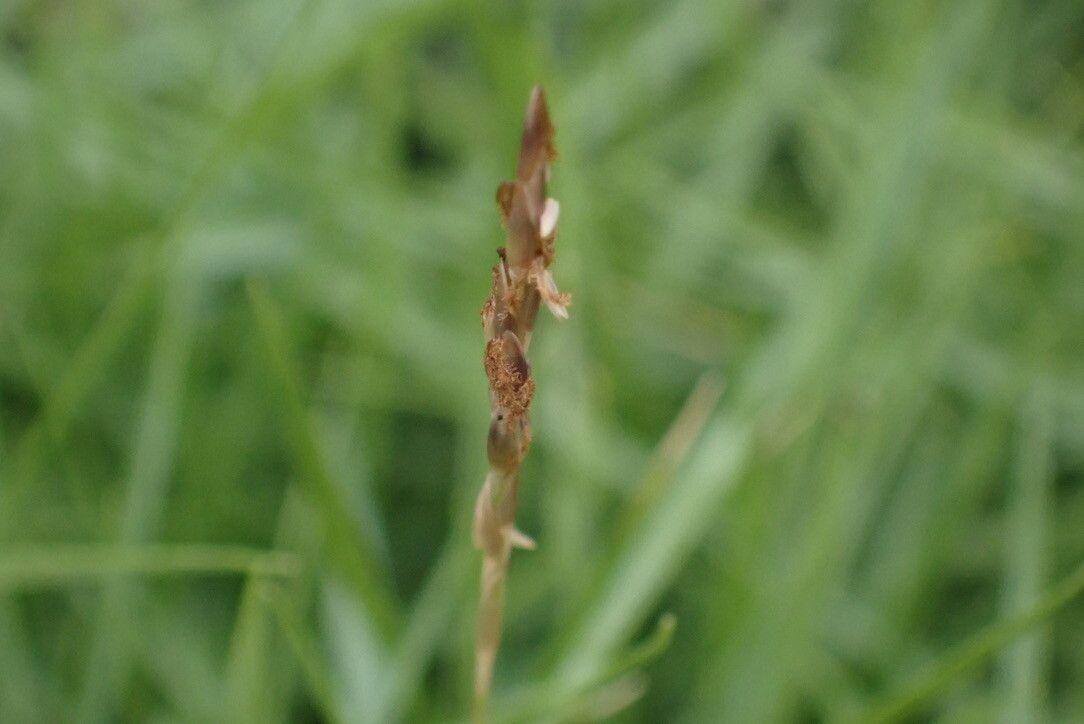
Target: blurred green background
x=821, y=396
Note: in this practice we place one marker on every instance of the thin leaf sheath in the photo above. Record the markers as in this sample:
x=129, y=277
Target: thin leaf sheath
x=522, y=283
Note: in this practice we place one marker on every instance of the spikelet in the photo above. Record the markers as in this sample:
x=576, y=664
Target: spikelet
x=521, y=284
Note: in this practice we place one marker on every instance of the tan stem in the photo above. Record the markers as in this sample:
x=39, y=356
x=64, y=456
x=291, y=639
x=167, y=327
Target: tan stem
x=493, y=522
x=490, y=613
x=521, y=281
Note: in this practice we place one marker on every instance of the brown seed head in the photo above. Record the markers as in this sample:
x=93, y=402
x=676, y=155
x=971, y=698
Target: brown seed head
x=509, y=375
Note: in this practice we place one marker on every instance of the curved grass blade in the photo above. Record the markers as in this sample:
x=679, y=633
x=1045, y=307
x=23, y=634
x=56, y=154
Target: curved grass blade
x=350, y=551
x=57, y=566
x=939, y=675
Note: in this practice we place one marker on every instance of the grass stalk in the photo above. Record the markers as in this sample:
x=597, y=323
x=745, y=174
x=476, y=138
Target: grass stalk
x=521, y=284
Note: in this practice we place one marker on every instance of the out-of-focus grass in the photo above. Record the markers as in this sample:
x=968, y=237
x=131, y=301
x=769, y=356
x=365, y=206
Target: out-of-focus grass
x=242, y=250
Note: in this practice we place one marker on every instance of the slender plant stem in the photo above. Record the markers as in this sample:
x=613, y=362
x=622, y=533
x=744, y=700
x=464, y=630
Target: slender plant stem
x=490, y=615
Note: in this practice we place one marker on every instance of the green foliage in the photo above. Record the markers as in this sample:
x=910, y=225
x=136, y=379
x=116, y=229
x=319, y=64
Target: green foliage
x=243, y=246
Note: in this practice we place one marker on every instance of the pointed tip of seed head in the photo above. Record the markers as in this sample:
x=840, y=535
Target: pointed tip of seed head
x=537, y=112
x=537, y=126
x=537, y=146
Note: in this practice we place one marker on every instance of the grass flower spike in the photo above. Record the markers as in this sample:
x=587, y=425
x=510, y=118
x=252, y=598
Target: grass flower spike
x=522, y=283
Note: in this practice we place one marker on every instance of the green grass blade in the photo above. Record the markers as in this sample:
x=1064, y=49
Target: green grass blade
x=1025, y=663
x=547, y=702
x=653, y=555
x=314, y=670
x=941, y=674
x=350, y=550
x=145, y=490
x=26, y=568
x=248, y=661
